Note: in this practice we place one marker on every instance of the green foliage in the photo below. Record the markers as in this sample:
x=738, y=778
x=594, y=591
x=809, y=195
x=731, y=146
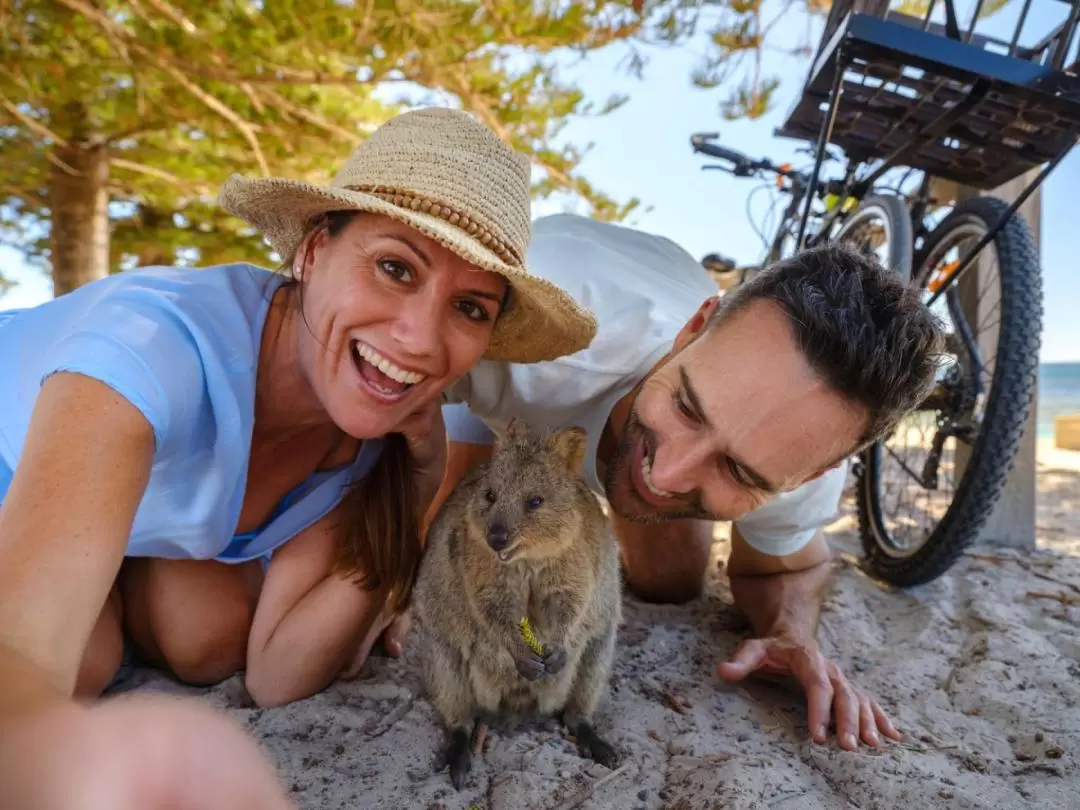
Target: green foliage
x=186, y=92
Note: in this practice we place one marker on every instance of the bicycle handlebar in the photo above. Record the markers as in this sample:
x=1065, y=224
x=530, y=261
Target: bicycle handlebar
x=744, y=164
x=700, y=142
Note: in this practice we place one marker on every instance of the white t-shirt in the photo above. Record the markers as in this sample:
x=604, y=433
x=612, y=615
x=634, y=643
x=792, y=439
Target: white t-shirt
x=642, y=289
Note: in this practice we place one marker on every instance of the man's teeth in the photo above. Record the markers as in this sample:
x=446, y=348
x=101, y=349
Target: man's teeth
x=646, y=474
x=387, y=367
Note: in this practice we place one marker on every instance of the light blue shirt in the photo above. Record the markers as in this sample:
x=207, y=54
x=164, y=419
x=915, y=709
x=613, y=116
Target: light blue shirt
x=182, y=345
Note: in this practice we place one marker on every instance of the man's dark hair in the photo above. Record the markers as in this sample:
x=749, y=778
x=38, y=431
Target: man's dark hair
x=861, y=328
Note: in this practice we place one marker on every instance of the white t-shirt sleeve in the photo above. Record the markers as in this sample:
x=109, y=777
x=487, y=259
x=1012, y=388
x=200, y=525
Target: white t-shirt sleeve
x=464, y=427
x=788, y=522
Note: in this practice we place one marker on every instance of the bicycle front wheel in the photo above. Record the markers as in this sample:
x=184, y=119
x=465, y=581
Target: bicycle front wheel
x=880, y=228
x=926, y=491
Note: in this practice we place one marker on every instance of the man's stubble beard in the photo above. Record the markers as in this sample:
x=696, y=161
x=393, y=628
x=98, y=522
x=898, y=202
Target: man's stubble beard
x=622, y=495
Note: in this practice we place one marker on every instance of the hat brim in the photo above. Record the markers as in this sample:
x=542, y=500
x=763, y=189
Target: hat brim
x=542, y=322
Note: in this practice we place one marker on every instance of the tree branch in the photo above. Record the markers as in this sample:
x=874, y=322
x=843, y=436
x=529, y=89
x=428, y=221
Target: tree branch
x=217, y=106
x=61, y=165
x=25, y=196
x=161, y=174
x=134, y=132
x=174, y=14
x=211, y=101
x=307, y=115
x=34, y=126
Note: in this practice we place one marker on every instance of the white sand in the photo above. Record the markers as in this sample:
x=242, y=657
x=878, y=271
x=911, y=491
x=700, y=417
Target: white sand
x=982, y=676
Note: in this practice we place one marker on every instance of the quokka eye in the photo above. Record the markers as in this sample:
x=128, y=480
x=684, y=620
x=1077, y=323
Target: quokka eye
x=534, y=502
x=491, y=496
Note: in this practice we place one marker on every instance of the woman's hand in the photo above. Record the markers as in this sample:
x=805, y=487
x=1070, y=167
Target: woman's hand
x=143, y=752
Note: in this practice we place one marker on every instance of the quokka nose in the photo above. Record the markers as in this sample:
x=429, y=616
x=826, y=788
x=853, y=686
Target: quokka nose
x=498, y=536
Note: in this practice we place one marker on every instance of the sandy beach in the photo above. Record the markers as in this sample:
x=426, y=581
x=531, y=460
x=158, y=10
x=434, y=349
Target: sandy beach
x=980, y=670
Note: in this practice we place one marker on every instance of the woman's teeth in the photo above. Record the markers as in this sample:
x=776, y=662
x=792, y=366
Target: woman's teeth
x=386, y=366
x=646, y=474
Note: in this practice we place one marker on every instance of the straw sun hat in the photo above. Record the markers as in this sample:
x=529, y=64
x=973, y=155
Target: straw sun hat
x=452, y=179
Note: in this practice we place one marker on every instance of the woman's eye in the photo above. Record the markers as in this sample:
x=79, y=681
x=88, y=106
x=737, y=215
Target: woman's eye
x=396, y=270
x=473, y=311
x=534, y=502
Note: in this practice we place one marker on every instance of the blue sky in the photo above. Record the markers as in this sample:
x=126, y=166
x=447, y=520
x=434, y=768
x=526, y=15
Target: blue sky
x=643, y=150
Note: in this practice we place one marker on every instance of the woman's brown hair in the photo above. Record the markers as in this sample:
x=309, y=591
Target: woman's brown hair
x=379, y=540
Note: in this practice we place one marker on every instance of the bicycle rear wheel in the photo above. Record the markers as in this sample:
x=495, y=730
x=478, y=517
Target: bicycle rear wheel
x=969, y=429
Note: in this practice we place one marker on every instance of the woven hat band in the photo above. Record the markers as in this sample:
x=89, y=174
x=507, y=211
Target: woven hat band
x=413, y=201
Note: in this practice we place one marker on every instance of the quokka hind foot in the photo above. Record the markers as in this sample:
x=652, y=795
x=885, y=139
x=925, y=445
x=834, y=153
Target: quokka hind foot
x=460, y=750
x=593, y=746
x=458, y=757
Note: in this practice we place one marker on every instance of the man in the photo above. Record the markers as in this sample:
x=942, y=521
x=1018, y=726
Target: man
x=742, y=407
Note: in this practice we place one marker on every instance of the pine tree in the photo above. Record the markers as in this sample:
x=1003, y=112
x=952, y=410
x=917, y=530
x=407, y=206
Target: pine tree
x=120, y=119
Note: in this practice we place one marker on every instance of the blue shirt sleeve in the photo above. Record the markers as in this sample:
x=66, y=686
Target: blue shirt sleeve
x=144, y=350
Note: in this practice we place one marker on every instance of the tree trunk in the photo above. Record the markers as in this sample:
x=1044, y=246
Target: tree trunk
x=78, y=201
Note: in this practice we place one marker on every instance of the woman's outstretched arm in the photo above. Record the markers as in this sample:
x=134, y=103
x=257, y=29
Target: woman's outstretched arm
x=64, y=525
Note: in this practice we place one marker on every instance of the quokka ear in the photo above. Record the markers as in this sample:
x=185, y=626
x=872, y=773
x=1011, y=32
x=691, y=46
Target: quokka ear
x=513, y=431
x=517, y=429
x=569, y=445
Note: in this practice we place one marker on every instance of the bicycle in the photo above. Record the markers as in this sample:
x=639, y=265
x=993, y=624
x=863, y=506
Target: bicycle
x=940, y=104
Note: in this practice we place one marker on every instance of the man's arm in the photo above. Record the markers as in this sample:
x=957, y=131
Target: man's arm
x=779, y=595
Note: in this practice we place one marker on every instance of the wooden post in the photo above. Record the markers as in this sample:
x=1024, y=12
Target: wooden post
x=1012, y=523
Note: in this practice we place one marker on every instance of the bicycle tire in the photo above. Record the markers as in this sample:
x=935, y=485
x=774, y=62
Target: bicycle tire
x=901, y=240
x=1008, y=405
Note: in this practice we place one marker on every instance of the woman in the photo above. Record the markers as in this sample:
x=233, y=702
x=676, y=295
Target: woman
x=229, y=466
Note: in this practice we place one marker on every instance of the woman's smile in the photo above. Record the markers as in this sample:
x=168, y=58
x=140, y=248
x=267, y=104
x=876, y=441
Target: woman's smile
x=387, y=380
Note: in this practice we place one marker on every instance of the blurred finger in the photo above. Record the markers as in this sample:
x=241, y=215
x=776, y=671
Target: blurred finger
x=883, y=722
x=749, y=656
x=133, y=752
x=195, y=757
x=868, y=723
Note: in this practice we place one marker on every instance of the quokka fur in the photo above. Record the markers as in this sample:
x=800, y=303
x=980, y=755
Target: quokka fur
x=521, y=536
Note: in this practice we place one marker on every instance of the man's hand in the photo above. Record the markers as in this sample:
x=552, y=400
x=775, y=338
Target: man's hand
x=827, y=690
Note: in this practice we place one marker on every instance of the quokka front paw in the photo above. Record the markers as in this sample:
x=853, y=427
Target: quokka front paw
x=529, y=665
x=554, y=660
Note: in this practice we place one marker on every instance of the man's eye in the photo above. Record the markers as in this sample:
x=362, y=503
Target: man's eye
x=684, y=407
x=473, y=311
x=395, y=269
x=737, y=473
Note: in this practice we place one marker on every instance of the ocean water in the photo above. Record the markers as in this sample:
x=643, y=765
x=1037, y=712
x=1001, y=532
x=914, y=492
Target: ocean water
x=1059, y=392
